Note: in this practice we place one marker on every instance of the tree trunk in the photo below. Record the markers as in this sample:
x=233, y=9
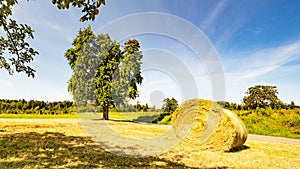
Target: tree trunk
x=105, y=113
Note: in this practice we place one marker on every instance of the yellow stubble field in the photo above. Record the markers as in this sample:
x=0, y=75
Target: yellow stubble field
x=63, y=143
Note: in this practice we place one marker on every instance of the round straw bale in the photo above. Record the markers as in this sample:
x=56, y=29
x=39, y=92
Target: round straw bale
x=206, y=125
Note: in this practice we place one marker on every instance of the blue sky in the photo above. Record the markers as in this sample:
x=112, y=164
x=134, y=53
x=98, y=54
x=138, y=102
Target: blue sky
x=258, y=42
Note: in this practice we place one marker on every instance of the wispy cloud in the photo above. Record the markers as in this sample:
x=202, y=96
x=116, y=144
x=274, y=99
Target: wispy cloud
x=43, y=16
x=273, y=66
x=55, y=27
x=229, y=18
x=213, y=15
x=261, y=62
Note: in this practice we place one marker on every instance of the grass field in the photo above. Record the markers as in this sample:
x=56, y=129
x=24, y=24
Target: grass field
x=130, y=116
x=62, y=143
x=37, y=116
x=282, y=122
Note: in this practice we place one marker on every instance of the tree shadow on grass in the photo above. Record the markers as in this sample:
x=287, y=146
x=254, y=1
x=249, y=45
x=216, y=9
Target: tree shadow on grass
x=56, y=150
x=147, y=119
x=143, y=119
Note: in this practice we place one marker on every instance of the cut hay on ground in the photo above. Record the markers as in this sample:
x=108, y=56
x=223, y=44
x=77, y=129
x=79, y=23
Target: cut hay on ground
x=207, y=126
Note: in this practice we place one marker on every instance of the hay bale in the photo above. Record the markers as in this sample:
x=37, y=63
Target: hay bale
x=206, y=125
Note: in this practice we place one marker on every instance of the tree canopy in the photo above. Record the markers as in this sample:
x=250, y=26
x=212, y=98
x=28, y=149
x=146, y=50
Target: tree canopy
x=260, y=96
x=103, y=74
x=170, y=105
x=15, y=51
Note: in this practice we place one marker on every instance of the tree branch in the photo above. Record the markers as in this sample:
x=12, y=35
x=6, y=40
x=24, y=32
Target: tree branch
x=9, y=36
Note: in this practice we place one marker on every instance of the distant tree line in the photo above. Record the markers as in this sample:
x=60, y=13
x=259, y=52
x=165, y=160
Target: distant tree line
x=22, y=106
x=235, y=106
x=36, y=107
x=138, y=107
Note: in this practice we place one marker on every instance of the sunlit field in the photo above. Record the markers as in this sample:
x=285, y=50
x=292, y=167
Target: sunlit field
x=62, y=143
x=129, y=116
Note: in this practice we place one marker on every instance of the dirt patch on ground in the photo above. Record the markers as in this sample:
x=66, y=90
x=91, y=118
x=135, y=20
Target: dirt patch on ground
x=274, y=139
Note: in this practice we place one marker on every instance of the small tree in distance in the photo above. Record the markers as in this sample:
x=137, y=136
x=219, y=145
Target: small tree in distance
x=140, y=107
x=170, y=105
x=260, y=96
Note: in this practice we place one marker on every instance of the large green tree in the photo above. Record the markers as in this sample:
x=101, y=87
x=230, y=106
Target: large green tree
x=260, y=96
x=102, y=71
x=15, y=51
x=81, y=83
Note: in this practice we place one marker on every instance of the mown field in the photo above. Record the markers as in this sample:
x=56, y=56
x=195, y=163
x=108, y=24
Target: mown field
x=282, y=122
x=63, y=143
x=133, y=116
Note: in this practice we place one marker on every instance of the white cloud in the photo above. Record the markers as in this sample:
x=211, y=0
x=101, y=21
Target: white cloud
x=267, y=67
x=210, y=19
x=264, y=61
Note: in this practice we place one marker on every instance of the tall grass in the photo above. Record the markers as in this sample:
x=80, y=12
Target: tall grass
x=273, y=122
